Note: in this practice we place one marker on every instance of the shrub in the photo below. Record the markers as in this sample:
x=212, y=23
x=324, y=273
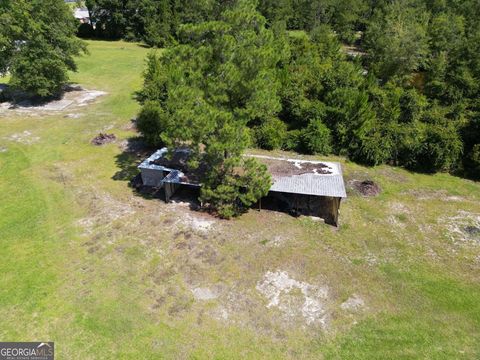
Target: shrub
x=85, y=31
x=441, y=149
x=474, y=162
x=152, y=123
x=317, y=138
x=293, y=140
x=237, y=192
x=271, y=134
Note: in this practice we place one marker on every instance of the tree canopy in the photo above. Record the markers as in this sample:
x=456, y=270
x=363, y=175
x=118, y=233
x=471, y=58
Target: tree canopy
x=38, y=45
x=378, y=81
x=220, y=78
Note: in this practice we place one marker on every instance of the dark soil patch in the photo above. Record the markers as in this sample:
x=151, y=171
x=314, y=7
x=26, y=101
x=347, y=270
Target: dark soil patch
x=102, y=139
x=472, y=231
x=168, y=221
x=136, y=182
x=281, y=168
x=209, y=256
x=158, y=302
x=186, y=234
x=366, y=187
x=93, y=249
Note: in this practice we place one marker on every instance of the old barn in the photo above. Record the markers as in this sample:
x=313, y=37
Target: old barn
x=306, y=187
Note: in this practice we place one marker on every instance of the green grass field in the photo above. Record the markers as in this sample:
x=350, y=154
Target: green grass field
x=108, y=274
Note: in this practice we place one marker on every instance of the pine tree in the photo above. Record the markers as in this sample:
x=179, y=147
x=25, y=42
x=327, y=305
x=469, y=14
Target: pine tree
x=220, y=78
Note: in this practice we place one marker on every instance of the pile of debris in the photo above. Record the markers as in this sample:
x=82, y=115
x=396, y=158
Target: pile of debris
x=281, y=168
x=102, y=139
x=366, y=187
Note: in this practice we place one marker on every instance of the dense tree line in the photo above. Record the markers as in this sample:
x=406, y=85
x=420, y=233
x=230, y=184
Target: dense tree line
x=410, y=97
x=276, y=74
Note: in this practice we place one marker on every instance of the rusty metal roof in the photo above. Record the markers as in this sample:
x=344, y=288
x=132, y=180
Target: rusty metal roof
x=324, y=183
x=327, y=181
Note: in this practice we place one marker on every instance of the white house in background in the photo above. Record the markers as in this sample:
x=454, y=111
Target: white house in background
x=82, y=15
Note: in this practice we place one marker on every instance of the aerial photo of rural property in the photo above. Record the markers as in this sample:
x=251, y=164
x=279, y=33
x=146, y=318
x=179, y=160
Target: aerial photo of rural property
x=239, y=179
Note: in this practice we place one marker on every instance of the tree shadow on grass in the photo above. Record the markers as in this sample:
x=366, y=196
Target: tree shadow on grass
x=18, y=98
x=135, y=150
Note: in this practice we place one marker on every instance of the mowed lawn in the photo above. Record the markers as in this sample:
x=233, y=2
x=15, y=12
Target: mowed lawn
x=107, y=273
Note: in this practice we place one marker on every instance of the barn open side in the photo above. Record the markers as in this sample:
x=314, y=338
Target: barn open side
x=306, y=187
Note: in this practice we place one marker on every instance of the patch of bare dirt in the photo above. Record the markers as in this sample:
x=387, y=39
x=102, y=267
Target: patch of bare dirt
x=204, y=294
x=73, y=116
x=102, y=139
x=295, y=298
x=464, y=228
x=197, y=221
x=103, y=210
x=131, y=125
x=25, y=137
x=353, y=304
x=425, y=194
x=366, y=187
x=73, y=97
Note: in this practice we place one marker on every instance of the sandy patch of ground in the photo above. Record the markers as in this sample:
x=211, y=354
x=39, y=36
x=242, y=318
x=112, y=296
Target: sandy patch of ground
x=194, y=220
x=197, y=223
x=295, y=298
x=25, y=137
x=464, y=228
x=353, y=304
x=442, y=195
x=393, y=220
x=87, y=96
x=103, y=210
x=204, y=294
x=399, y=214
x=398, y=207
x=74, y=97
x=371, y=259
x=277, y=241
x=73, y=116
x=220, y=313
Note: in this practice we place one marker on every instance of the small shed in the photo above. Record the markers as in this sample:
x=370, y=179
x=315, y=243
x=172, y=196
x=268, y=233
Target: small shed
x=307, y=187
x=303, y=186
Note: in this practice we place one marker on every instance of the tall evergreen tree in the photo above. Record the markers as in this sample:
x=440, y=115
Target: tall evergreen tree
x=219, y=79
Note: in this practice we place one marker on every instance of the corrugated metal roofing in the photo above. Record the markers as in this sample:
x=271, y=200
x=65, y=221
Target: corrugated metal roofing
x=148, y=163
x=310, y=183
x=331, y=184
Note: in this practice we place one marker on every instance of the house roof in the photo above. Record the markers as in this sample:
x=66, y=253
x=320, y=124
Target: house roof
x=81, y=13
x=293, y=176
